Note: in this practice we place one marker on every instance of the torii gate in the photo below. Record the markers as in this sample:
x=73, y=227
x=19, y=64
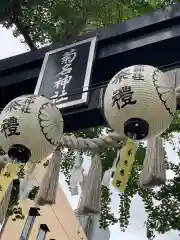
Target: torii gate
x=151, y=39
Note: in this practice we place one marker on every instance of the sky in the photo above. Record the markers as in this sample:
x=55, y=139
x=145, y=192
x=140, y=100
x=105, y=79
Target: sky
x=10, y=46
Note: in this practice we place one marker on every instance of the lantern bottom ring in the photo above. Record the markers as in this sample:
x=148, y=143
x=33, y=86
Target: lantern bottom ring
x=136, y=128
x=20, y=153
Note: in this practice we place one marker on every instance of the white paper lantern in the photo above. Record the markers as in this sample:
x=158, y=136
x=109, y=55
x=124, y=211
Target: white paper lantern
x=31, y=127
x=139, y=102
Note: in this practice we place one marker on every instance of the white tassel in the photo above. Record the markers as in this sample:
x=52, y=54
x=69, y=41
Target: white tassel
x=48, y=187
x=83, y=182
x=26, y=184
x=90, y=201
x=85, y=222
x=91, y=226
x=74, y=190
x=76, y=175
x=107, y=177
x=108, y=174
x=153, y=172
x=95, y=232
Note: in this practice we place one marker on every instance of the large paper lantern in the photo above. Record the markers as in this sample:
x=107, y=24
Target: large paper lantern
x=139, y=102
x=30, y=128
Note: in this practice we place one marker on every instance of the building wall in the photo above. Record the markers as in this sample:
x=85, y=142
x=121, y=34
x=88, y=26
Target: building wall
x=59, y=218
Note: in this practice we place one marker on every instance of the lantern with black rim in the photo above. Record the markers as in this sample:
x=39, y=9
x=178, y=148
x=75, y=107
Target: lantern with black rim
x=139, y=102
x=30, y=128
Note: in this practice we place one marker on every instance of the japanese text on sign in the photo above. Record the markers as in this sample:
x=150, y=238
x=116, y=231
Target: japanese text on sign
x=124, y=165
x=123, y=97
x=24, y=105
x=122, y=75
x=10, y=127
x=64, y=77
x=137, y=74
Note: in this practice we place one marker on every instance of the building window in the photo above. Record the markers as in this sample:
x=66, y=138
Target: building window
x=33, y=213
x=42, y=232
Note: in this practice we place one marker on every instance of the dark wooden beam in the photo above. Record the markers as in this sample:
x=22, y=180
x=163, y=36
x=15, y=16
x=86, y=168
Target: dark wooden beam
x=151, y=39
x=148, y=24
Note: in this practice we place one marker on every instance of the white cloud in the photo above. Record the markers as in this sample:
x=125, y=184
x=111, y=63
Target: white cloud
x=10, y=46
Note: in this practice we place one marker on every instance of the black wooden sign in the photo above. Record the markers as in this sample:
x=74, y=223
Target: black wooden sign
x=65, y=72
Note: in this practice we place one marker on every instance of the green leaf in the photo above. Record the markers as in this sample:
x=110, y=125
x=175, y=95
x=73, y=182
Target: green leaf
x=152, y=3
x=47, y=21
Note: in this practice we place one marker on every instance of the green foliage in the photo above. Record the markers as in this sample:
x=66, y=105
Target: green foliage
x=173, y=128
x=107, y=158
x=21, y=173
x=14, y=210
x=124, y=210
x=107, y=217
x=67, y=164
x=160, y=216
x=46, y=163
x=33, y=193
x=132, y=188
x=55, y=20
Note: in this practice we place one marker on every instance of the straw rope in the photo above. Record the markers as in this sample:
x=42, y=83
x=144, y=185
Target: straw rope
x=94, y=144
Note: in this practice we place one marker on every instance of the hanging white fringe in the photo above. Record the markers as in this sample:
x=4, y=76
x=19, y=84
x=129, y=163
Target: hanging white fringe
x=107, y=177
x=49, y=184
x=95, y=232
x=76, y=175
x=83, y=182
x=90, y=201
x=108, y=174
x=84, y=221
x=26, y=184
x=153, y=172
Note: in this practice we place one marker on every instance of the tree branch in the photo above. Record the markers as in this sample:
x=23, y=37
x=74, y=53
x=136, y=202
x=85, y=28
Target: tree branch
x=25, y=34
x=15, y=18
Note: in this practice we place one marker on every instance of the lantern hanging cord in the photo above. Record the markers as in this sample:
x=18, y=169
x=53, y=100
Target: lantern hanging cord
x=113, y=140
x=104, y=84
x=93, y=87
